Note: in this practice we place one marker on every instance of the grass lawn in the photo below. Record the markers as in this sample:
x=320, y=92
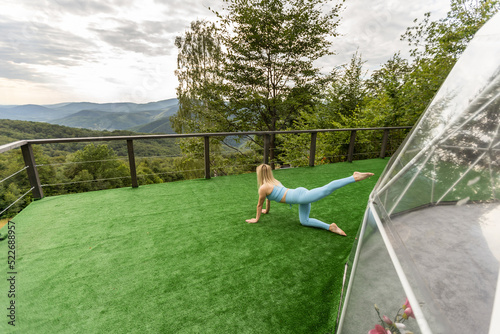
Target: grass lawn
x=179, y=258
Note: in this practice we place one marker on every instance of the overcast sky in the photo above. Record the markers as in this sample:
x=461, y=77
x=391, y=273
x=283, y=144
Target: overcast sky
x=54, y=51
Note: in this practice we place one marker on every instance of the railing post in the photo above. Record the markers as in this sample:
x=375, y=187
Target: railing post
x=207, y=157
x=266, y=149
x=351, y=146
x=29, y=161
x=312, y=151
x=384, y=144
x=131, y=161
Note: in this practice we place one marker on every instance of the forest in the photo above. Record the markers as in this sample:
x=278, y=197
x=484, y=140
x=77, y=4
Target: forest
x=254, y=70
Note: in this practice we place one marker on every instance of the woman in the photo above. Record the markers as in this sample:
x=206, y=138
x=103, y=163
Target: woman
x=271, y=189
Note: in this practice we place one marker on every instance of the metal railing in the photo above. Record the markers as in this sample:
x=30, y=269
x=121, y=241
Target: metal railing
x=36, y=186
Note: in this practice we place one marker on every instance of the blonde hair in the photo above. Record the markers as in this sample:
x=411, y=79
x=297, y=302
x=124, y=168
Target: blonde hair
x=265, y=175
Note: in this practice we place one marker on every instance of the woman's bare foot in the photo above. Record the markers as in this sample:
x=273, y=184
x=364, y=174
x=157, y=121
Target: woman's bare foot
x=335, y=229
x=361, y=176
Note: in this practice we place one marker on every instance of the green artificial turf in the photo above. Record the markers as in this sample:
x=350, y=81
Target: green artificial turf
x=179, y=258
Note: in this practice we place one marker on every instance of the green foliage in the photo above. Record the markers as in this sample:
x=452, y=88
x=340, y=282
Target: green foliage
x=13, y=186
x=96, y=163
x=387, y=97
x=347, y=93
x=225, y=157
x=158, y=170
x=199, y=65
x=11, y=194
x=342, y=108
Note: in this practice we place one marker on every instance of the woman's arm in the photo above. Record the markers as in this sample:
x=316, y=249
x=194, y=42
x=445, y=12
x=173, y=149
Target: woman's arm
x=260, y=204
x=268, y=207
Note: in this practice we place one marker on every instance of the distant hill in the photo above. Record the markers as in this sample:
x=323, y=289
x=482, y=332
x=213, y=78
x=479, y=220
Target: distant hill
x=96, y=116
x=161, y=125
x=29, y=112
x=120, y=107
x=103, y=120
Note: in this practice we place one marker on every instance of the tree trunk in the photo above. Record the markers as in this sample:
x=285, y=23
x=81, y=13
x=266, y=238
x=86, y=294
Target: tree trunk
x=272, y=145
x=271, y=151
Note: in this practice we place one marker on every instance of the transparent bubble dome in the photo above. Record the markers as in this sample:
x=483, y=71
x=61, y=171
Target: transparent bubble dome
x=431, y=232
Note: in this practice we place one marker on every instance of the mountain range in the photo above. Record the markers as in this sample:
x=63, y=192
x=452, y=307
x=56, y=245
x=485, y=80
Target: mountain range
x=153, y=117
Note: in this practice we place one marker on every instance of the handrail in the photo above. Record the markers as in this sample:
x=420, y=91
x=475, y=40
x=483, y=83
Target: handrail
x=11, y=146
x=188, y=135
x=29, y=159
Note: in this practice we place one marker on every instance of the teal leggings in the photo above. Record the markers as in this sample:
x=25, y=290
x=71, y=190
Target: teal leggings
x=305, y=197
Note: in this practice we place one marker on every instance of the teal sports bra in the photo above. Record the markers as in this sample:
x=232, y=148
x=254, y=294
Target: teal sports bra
x=277, y=193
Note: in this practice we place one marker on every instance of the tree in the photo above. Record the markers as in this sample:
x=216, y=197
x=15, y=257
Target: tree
x=147, y=174
x=386, y=99
x=96, y=163
x=341, y=108
x=347, y=92
x=199, y=62
x=267, y=74
x=271, y=49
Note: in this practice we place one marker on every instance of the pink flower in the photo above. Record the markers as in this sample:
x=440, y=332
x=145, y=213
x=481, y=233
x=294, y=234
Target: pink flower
x=408, y=313
x=406, y=304
x=387, y=320
x=379, y=330
x=407, y=309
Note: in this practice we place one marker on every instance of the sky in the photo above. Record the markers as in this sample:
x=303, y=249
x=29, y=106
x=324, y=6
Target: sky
x=54, y=51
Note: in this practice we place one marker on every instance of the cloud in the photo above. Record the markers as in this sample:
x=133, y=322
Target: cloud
x=11, y=70
x=114, y=81
x=169, y=26
x=39, y=43
x=75, y=7
x=83, y=7
x=152, y=38
x=190, y=8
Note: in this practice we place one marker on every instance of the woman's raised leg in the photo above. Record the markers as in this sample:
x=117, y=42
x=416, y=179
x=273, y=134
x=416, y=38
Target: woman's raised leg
x=316, y=194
